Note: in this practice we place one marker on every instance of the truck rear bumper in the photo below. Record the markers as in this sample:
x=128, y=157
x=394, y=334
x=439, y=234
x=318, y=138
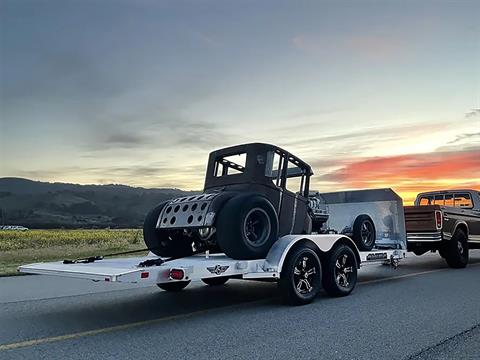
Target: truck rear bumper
x=424, y=237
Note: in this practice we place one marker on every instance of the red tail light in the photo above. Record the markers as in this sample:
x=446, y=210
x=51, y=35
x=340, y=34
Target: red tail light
x=439, y=219
x=177, y=274
x=144, y=275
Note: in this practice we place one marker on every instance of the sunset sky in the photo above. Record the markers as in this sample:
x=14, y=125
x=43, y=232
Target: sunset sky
x=370, y=93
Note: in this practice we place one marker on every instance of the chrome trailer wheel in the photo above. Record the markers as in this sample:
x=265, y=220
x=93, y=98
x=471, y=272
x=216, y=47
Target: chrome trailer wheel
x=300, y=279
x=340, y=275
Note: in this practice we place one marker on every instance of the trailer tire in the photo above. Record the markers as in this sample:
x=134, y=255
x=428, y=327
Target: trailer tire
x=340, y=271
x=456, y=250
x=364, y=233
x=216, y=281
x=247, y=227
x=164, y=243
x=301, y=276
x=174, y=286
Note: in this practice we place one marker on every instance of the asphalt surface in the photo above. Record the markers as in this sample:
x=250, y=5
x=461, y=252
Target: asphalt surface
x=422, y=310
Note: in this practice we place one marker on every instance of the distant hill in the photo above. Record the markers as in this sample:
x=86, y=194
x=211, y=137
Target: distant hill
x=37, y=204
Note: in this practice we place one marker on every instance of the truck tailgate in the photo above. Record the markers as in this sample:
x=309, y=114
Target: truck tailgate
x=420, y=218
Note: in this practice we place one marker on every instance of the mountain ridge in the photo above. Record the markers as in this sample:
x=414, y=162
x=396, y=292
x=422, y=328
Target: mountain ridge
x=39, y=204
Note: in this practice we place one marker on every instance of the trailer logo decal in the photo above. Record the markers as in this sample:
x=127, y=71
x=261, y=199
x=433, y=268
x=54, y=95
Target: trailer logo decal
x=217, y=269
x=377, y=256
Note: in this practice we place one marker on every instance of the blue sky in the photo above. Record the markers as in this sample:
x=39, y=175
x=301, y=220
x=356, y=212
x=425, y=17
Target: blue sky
x=139, y=92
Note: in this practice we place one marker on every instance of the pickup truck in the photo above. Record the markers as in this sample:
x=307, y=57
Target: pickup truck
x=444, y=221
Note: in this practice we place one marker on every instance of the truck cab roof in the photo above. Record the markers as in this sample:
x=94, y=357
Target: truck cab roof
x=450, y=191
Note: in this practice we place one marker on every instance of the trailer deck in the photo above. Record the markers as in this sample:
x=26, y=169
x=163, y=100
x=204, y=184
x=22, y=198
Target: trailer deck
x=194, y=268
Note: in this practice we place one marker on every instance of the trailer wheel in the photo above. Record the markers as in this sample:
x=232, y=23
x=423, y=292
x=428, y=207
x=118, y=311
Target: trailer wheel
x=216, y=281
x=247, y=227
x=301, y=277
x=456, y=250
x=165, y=243
x=174, y=286
x=364, y=233
x=340, y=275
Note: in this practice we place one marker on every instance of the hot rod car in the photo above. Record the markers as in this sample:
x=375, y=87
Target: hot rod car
x=253, y=194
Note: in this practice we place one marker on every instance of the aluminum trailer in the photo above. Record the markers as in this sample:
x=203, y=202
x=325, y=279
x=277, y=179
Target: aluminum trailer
x=301, y=264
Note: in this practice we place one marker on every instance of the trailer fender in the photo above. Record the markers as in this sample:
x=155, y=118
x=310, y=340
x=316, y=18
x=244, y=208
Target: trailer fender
x=323, y=243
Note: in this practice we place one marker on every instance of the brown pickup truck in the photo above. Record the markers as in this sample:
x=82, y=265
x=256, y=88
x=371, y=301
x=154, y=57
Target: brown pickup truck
x=447, y=221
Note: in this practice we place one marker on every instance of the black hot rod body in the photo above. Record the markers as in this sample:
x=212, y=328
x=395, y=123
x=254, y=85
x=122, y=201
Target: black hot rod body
x=253, y=194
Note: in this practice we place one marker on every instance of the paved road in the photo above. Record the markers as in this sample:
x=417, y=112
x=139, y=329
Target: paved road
x=422, y=310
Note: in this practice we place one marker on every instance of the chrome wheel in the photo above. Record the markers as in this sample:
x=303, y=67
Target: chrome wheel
x=304, y=273
x=344, y=269
x=257, y=227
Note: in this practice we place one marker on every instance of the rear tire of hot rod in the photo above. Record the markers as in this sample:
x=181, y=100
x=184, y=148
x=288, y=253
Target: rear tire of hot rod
x=247, y=227
x=364, y=233
x=456, y=250
x=164, y=243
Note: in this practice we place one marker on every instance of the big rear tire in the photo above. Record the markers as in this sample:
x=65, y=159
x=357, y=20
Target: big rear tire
x=174, y=286
x=456, y=250
x=340, y=271
x=164, y=243
x=301, y=277
x=247, y=227
x=364, y=233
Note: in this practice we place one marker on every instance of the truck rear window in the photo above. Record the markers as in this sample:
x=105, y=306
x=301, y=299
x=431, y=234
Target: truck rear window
x=449, y=200
x=452, y=200
x=463, y=201
x=426, y=200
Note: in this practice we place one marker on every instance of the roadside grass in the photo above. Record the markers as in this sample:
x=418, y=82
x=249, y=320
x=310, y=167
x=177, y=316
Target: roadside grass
x=24, y=247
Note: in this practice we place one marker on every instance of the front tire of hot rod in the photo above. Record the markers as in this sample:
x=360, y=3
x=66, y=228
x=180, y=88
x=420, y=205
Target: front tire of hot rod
x=164, y=243
x=247, y=227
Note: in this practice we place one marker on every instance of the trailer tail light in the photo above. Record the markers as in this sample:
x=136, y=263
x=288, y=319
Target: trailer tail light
x=177, y=274
x=439, y=219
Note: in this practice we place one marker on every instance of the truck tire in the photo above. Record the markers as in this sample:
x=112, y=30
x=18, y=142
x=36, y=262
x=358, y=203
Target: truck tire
x=456, y=250
x=247, y=227
x=301, y=276
x=174, y=286
x=216, y=281
x=364, y=233
x=164, y=243
x=340, y=271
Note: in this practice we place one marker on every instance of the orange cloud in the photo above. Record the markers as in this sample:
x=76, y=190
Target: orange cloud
x=413, y=173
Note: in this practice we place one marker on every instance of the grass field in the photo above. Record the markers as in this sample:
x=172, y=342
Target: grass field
x=23, y=247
